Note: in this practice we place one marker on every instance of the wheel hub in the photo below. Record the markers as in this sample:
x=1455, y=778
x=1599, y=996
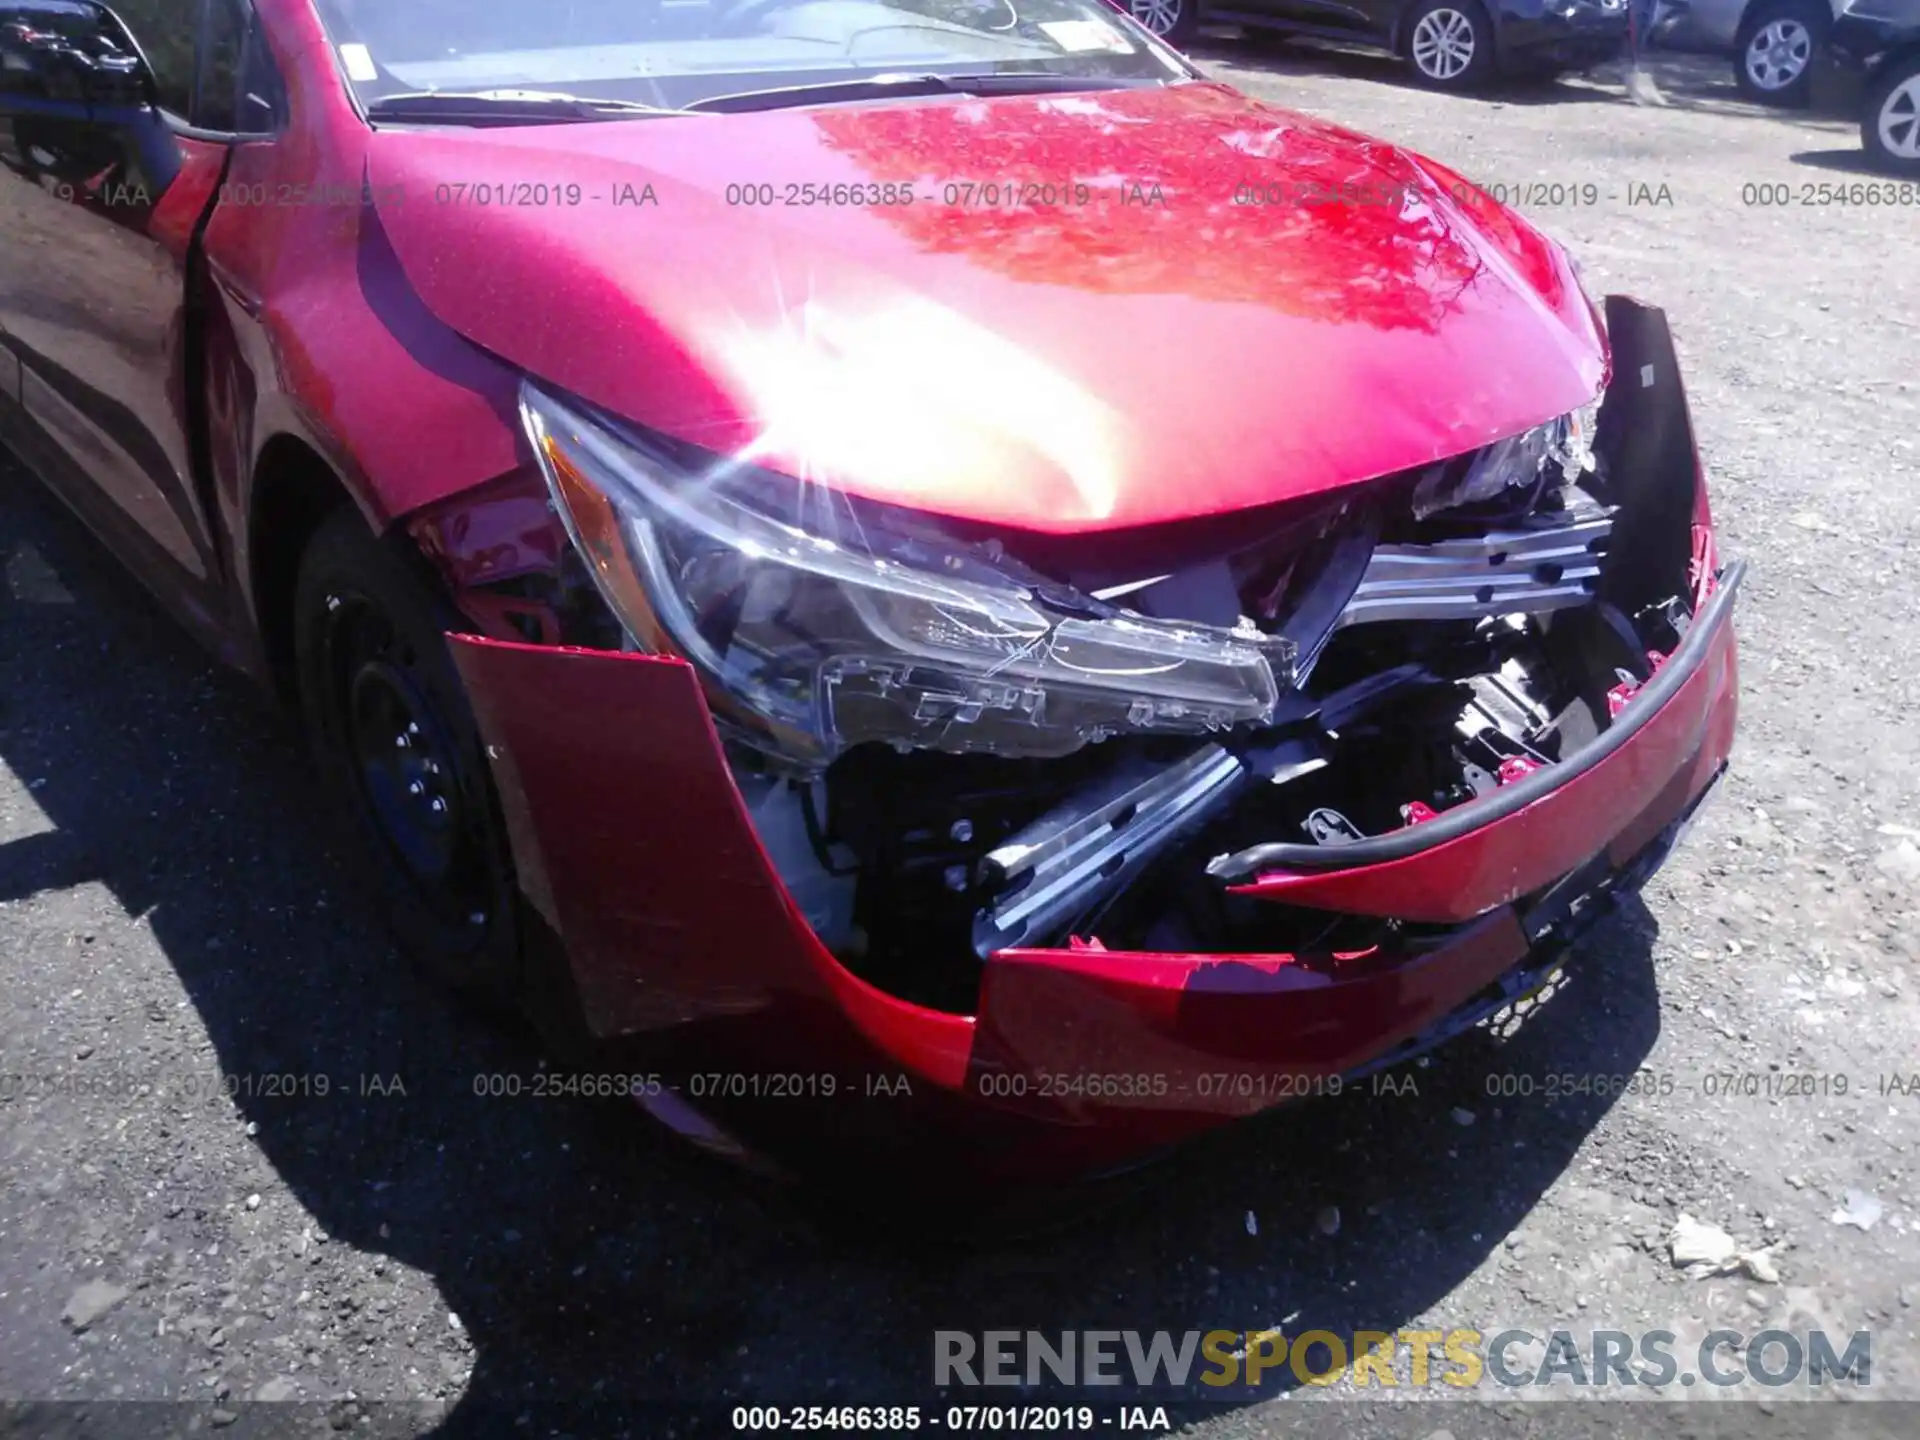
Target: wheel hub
x=1900, y=120
x=1777, y=54
x=405, y=769
x=1159, y=16
x=1443, y=44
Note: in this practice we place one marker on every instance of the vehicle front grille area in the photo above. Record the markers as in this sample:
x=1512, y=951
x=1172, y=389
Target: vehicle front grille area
x=1441, y=651
x=1384, y=560
x=1549, y=565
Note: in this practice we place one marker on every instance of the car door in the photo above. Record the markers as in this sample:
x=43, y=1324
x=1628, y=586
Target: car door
x=104, y=182
x=1354, y=17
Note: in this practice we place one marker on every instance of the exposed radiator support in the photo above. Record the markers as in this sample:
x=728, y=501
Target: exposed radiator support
x=1500, y=573
x=1063, y=863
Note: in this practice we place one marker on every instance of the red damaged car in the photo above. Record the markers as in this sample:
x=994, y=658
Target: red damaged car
x=927, y=570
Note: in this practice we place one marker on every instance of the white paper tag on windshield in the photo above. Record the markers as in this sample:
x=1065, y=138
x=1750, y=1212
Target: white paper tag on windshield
x=359, y=62
x=1076, y=36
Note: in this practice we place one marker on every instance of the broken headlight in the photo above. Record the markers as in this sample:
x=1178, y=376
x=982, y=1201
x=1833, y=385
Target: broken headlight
x=1544, y=458
x=818, y=636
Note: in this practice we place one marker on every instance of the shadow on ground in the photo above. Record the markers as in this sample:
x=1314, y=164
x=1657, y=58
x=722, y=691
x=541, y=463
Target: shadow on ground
x=1852, y=163
x=593, y=1261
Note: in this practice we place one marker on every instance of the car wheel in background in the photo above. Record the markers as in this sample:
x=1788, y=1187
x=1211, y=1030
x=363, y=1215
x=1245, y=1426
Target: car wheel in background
x=393, y=737
x=1773, y=63
x=1890, y=125
x=1449, y=44
x=1174, y=21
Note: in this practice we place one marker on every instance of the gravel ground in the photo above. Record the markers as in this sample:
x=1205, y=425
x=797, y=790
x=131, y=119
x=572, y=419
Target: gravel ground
x=397, y=1254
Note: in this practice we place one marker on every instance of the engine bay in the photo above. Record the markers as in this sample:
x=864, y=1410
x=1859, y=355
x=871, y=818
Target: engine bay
x=950, y=754
x=955, y=740
x=1448, y=637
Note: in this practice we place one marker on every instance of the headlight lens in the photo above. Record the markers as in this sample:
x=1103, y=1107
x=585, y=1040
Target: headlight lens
x=1544, y=458
x=821, y=637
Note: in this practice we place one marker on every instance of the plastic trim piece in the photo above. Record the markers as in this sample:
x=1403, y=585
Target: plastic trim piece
x=1487, y=575
x=1062, y=863
x=1508, y=799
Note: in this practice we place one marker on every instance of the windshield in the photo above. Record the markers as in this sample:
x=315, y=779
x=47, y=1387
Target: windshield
x=677, y=52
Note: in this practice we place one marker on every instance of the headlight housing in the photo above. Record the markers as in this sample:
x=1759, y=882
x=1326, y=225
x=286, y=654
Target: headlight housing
x=813, y=637
x=1544, y=458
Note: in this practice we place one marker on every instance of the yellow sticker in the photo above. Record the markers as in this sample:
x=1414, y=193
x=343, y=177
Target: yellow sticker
x=359, y=62
x=1078, y=36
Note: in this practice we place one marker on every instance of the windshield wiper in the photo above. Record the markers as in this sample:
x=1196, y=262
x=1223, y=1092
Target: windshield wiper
x=502, y=107
x=904, y=86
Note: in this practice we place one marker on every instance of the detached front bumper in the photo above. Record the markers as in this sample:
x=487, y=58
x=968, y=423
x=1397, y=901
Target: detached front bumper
x=1236, y=1033
x=634, y=845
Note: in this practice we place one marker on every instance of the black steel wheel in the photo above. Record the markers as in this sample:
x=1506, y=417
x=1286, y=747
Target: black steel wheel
x=395, y=741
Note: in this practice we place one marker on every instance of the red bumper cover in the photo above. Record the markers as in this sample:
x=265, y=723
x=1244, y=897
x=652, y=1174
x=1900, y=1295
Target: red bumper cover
x=633, y=843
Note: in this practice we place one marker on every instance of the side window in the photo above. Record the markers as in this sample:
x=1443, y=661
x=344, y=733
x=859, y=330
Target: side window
x=222, y=50
x=263, y=98
x=239, y=87
x=164, y=30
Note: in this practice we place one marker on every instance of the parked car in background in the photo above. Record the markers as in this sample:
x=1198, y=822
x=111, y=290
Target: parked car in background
x=1880, y=39
x=1774, y=42
x=1454, y=44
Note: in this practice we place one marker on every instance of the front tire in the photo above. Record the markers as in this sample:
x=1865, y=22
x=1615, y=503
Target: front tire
x=1775, y=50
x=1174, y=21
x=395, y=741
x=1890, y=125
x=1449, y=44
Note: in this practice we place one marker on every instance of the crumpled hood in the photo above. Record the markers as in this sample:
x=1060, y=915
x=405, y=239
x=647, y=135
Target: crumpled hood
x=1098, y=310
